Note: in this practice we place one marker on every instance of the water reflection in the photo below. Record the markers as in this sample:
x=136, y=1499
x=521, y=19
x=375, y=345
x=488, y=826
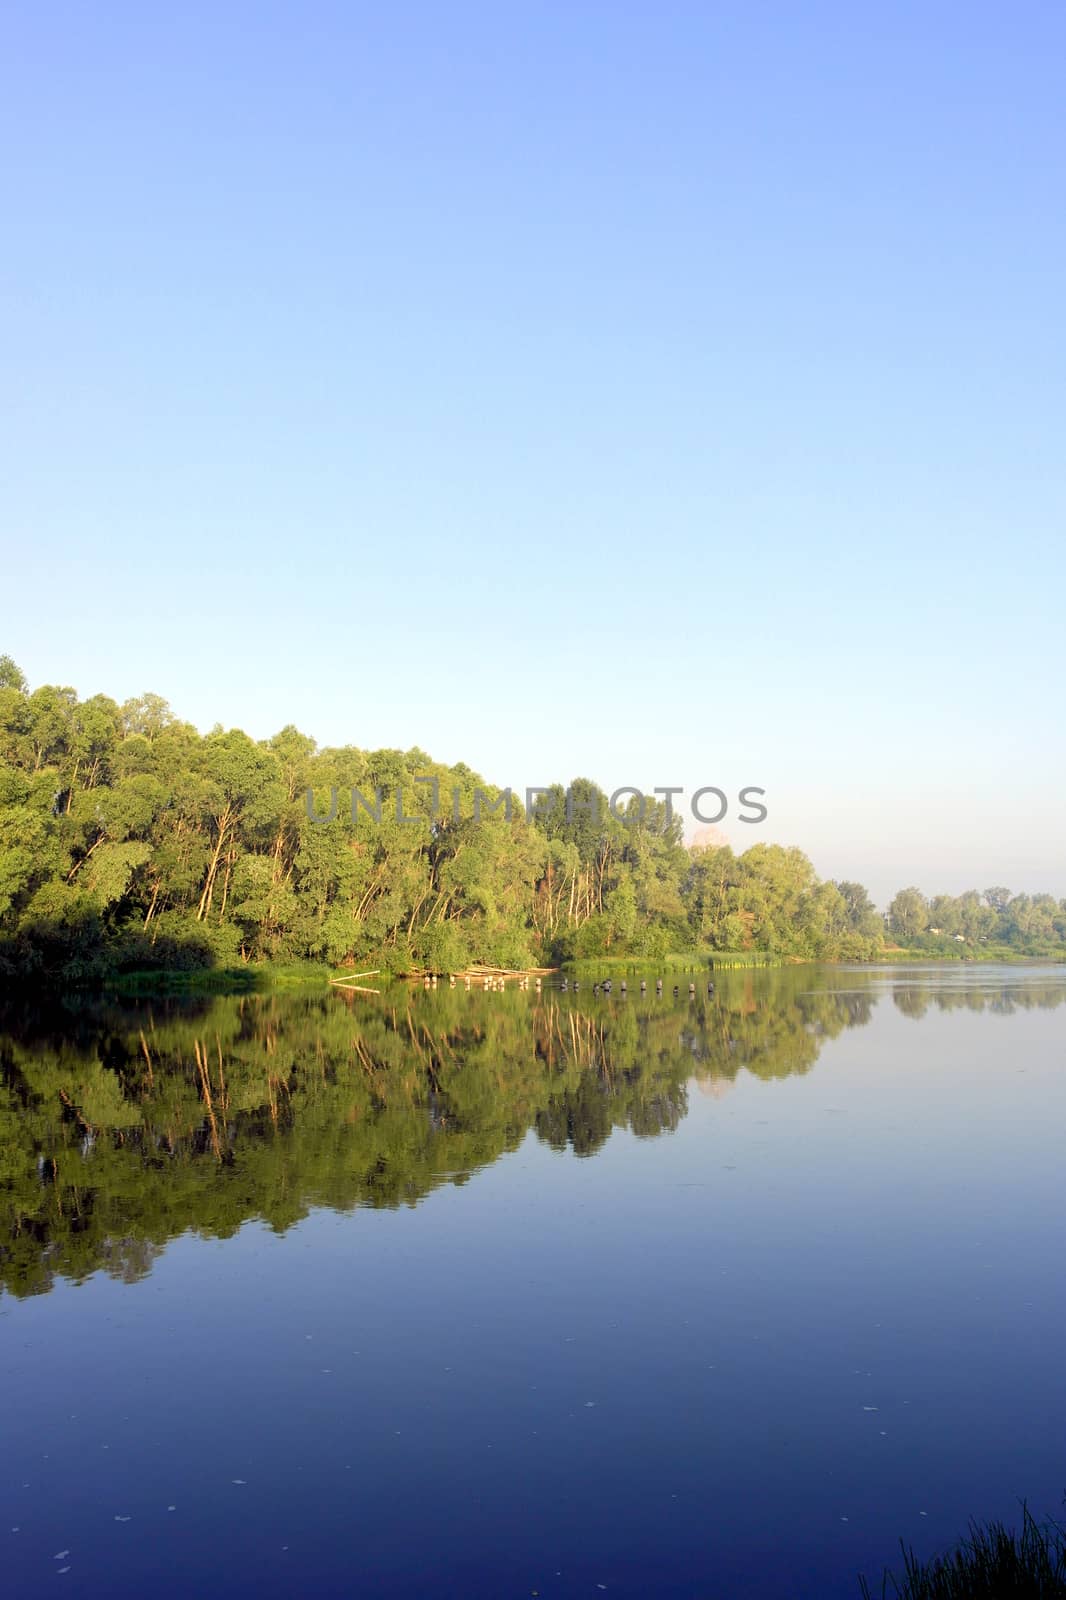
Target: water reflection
x=123, y=1126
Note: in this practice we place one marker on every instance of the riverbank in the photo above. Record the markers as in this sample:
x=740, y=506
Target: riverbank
x=683, y=961
x=260, y=976
x=249, y=978
x=254, y=977
x=945, y=955
x=993, y=1563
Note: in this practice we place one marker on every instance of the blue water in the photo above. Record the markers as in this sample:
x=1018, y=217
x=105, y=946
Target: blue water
x=740, y=1358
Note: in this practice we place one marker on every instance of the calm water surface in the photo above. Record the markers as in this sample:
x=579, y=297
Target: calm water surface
x=470, y=1294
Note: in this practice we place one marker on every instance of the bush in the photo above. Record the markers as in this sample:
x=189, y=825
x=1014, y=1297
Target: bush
x=994, y=1563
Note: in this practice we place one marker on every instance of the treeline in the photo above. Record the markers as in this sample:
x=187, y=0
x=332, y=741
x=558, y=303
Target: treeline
x=1034, y=924
x=128, y=841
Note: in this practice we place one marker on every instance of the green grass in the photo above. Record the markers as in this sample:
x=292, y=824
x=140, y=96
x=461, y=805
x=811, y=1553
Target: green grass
x=253, y=976
x=245, y=979
x=723, y=960
x=941, y=952
x=993, y=1563
x=654, y=966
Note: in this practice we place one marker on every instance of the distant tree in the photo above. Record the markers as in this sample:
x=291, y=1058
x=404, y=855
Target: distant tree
x=11, y=677
x=945, y=914
x=863, y=916
x=908, y=914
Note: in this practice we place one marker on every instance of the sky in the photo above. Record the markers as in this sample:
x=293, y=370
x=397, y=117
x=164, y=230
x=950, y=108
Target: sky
x=666, y=394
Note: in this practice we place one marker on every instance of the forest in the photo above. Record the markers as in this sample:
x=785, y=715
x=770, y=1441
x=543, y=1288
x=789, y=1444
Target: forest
x=130, y=843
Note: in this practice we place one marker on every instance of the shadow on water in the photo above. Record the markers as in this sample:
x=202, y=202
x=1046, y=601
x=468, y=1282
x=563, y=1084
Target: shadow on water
x=124, y=1125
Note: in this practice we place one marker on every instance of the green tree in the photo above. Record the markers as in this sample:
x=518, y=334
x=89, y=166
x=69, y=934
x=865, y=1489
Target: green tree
x=908, y=914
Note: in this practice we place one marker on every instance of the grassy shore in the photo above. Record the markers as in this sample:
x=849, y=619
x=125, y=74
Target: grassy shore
x=250, y=977
x=943, y=950
x=656, y=966
x=993, y=1563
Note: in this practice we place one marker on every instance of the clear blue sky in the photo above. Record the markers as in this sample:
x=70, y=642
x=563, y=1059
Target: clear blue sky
x=672, y=394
